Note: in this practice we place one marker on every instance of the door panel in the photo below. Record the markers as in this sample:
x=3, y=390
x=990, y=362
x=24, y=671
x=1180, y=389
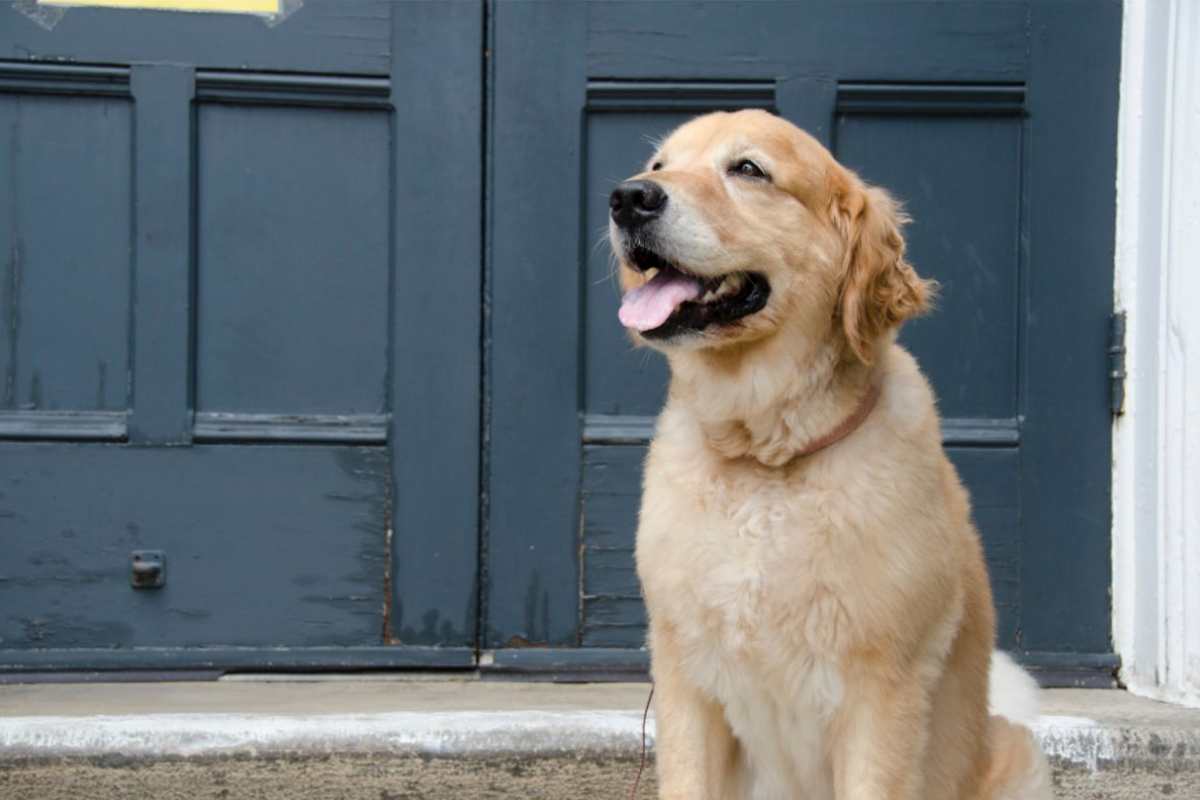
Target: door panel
x=966, y=210
x=240, y=269
x=65, y=221
x=942, y=103
x=282, y=546
x=292, y=299
x=612, y=611
x=322, y=36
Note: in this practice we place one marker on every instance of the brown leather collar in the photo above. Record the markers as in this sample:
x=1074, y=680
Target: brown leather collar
x=848, y=426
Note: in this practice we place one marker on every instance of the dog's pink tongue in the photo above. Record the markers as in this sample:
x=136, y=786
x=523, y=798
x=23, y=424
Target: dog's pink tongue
x=649, y=305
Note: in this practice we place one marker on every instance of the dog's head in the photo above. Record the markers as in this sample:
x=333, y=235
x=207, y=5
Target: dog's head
x=743, y=226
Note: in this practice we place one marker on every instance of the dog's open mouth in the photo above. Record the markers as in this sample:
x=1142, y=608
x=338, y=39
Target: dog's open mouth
x=674, y=301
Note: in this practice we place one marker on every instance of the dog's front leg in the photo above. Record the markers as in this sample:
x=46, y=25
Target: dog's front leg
x=880, y=734
x=695, y=751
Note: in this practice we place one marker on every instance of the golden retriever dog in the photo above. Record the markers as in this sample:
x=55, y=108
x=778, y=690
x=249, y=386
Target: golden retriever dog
x=821, y=624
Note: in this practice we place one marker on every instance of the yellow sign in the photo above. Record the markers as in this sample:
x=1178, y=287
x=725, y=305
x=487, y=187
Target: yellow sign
x=223, y=6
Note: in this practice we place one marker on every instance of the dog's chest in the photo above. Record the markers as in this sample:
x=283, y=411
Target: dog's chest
x=757, y=607
x=755, y=574
x=766, y=610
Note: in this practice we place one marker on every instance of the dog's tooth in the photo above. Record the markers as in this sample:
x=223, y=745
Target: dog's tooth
x=717, y=288
x=726, y=286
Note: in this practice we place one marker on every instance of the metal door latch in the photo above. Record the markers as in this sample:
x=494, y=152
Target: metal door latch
x=148, y=569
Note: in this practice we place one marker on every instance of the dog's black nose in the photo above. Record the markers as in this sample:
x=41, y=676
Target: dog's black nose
x=636, y=202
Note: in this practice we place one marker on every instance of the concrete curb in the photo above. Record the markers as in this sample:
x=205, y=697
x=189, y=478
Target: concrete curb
x=462, y=734
x=1072, y=742
x=1081, y=743
x=462, y=740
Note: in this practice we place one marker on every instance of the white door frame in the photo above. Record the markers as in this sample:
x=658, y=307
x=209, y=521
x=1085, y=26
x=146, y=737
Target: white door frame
x=1156, y=465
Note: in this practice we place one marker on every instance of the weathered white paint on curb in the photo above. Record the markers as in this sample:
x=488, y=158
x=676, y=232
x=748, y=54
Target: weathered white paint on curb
x=444, y=734
x=1075, y=741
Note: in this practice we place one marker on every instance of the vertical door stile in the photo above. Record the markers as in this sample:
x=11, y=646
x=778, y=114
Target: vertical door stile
x=436, y=280
x=163, y=224
x=533, y=480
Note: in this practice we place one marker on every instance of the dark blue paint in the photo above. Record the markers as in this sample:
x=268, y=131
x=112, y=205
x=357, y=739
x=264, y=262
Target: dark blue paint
x=292, y=263
x=962, y=235
x=300, y=209
x=966, y=112
x=435, y=327
x=64, y=159
x=162, y=258
x=325, y=36
x=535, y=249
x=275, y=238
x=266, y=545
x=1066, y=480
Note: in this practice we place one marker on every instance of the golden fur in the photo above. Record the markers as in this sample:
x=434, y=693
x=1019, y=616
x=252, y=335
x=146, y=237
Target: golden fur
x=821, y=625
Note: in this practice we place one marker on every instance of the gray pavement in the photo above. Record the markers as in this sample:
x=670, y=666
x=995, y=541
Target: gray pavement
x=383, y=738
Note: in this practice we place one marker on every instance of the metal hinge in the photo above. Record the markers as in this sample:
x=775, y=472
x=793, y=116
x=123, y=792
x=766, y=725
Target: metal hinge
x=1116, y=363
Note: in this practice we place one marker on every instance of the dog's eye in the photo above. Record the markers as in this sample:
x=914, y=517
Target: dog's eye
x=747, y=169
x=656, y=166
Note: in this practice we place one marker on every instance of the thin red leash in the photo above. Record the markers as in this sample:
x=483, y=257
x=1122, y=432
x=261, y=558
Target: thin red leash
x=641, y=768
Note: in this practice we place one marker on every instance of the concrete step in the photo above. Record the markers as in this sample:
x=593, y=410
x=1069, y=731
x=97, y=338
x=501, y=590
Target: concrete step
x=434, y=739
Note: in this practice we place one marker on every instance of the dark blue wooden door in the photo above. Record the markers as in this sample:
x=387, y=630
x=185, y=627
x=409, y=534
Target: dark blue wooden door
x=239, y=325
x=994, y=121
x=240, y=310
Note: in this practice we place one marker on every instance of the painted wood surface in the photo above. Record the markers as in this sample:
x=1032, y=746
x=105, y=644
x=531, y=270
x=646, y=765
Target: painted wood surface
x=266, y=545
x=255, y=271
x=373, y=231
x=984, y=118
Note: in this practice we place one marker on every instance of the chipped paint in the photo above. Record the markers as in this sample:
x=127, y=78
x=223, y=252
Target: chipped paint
x=1075, y=740
x=220, y=517
x=436, y=734
x=1072, y=743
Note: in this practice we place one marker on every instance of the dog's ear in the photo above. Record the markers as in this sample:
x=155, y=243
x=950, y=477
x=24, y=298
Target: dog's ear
x=879, y=288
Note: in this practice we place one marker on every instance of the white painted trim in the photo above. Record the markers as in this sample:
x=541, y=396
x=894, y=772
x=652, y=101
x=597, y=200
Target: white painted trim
x=1077, y=741
x=452, y=733
x=1156, y=467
